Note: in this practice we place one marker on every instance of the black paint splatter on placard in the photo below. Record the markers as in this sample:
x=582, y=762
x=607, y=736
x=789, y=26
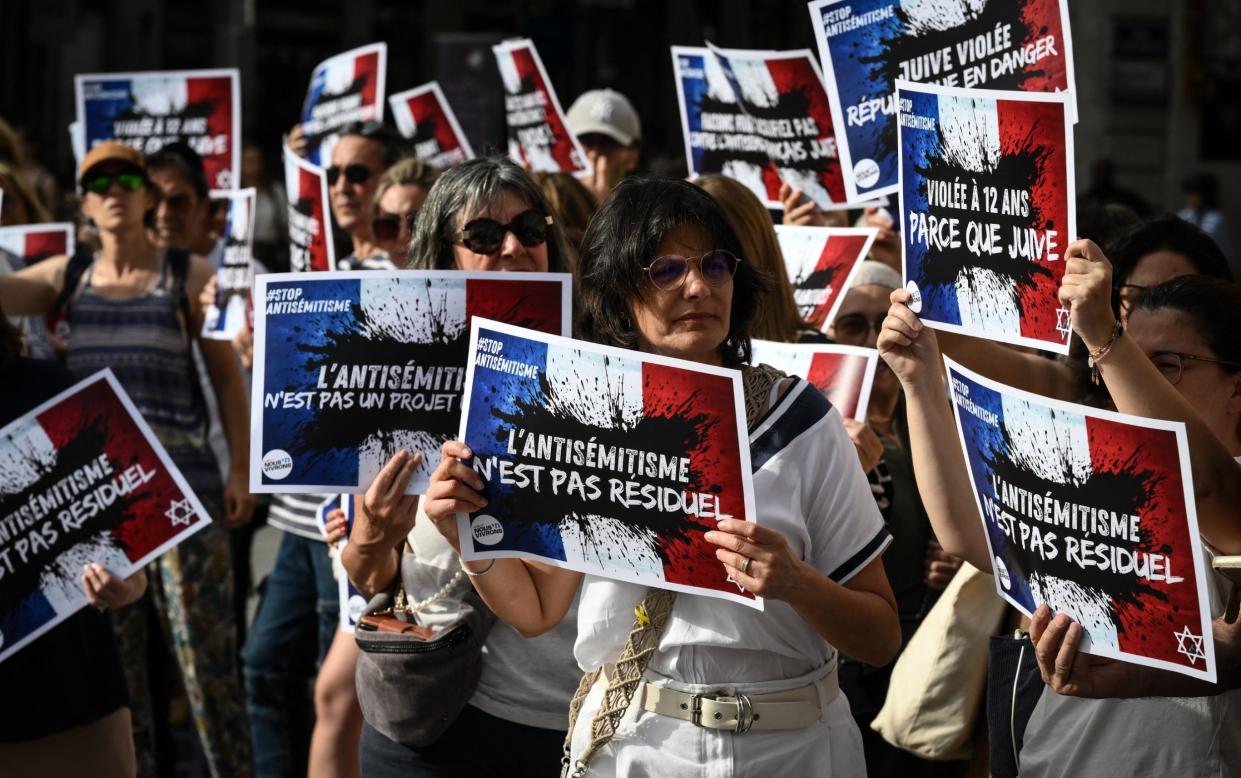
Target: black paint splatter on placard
x=83, y=448
x=794, y=104
x=673, y=430
x=383, y=339
x=1123, y=486
x=968, y=161
x=822, y=278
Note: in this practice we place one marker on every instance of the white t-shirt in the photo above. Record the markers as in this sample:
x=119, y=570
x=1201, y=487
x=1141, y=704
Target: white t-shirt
x=808, y=486
x=526, y=681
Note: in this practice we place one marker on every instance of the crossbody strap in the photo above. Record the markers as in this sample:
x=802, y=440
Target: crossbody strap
x=650, y=618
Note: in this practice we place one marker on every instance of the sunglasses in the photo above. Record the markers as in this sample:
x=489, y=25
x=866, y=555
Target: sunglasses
x=354, y=174
x=100, y=183
x=716, y=268
x=485, y=236
x=855, y=326
x=387, y=226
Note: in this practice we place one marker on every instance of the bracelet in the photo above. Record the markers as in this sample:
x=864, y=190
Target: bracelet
x=472, y=574
x=1097, y=354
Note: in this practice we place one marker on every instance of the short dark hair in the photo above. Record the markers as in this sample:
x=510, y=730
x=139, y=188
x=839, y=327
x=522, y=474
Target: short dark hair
x=181, y=155
x=469, y=188
x=622, y=239
x=390, y=143
x=1213, y=303
x=1165, y=233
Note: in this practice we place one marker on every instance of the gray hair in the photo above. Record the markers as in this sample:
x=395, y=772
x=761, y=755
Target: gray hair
x=468, y=189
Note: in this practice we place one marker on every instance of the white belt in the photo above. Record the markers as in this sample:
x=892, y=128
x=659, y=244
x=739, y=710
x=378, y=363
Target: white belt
x=793, y=709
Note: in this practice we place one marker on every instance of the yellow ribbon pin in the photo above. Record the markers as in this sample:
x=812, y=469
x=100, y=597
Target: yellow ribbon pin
x=639, y=613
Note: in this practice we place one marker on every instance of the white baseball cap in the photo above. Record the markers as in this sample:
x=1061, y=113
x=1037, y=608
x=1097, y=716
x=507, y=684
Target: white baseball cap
x=607, y=112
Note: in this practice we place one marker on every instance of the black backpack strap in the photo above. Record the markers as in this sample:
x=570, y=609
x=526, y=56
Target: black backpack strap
x=78, y=264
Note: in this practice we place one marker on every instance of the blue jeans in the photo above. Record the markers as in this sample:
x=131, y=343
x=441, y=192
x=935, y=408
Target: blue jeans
x=292, y=630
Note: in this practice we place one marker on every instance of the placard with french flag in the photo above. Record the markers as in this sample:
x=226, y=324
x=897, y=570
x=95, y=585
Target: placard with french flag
x=844, y=374
x=352, y=366
x=152, y=109
x=821, y=263
x=988, y=211
x=866, y=45
x=345, y=88
x=538, y=133
x=310, y=216
x=85, y=481
x=604, y=460
x=352, y=601
x=761, y=117
x=1091, y=512
x=30, y=243
x=423, y=115
x=230, y=311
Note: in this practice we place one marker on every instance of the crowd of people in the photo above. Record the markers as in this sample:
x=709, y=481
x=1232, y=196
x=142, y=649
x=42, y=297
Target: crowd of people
x=861, y=525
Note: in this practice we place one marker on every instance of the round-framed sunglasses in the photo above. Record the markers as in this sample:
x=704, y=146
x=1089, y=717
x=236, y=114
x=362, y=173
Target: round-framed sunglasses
x=485, y=236
x=716, y=268
x=387, y=226
x=100, y=183
x=355, y=174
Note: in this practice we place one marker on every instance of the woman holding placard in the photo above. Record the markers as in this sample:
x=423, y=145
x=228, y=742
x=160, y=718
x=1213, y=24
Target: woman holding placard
x=661, y=273
x=1175, y=361
x=485, y=214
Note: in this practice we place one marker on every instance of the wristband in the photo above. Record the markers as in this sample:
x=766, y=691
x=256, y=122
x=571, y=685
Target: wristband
x=472, y=574
x=1097, y=354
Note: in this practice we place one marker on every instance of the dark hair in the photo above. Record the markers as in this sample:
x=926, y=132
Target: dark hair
x=622, y=239
x=389, y=141
x=470, y=188
x=572, y=203
x=1213, y=303
x=1104, y=222
x=188, y=163
x=1165, y=233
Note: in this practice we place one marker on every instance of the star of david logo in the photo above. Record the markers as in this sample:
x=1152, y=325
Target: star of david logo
x=180, y=512
x=1062, y=321
x=1190, y=645
x=733, y=581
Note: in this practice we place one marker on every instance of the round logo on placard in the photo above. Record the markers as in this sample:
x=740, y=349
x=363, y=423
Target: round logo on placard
x=915, y=297
x=487, y=530
x=866, y=173
x=1001, y=573
x=357, y=604
x=277, y=464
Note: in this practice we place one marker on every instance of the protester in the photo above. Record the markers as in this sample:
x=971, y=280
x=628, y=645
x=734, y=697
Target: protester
x=610, y=132
x=1068, y=736
x=20, y=207
x=801, y=211
x=401, y=191
x=787, y=650
x=572, y=204
x=74, y=714
x=485, y=214
x=1201, y=191
x=134, y=308
x=271, y=210
x=363, y=151
x=778, y=318
x=183, y=214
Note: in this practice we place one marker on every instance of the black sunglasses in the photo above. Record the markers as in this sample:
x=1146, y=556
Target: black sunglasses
x=387, y=226
x=485, y=236
x=100, y=183
x=716, y=267
x=354, y=174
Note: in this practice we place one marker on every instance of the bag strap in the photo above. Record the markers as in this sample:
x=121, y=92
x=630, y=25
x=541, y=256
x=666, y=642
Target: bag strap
x=78, y=263
x=650, y=618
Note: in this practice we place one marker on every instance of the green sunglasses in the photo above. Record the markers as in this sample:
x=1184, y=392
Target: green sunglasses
x=102, y=182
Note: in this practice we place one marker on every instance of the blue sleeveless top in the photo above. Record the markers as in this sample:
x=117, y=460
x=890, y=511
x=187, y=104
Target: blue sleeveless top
x=142, y=339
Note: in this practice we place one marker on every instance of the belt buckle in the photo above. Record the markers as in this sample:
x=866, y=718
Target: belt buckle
x=745, y=710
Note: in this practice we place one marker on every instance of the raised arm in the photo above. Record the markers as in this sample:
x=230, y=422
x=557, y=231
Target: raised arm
x=1138, y=388
x=910, y=349
x=225, y=375
x=531, y=597
x=32, y=290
